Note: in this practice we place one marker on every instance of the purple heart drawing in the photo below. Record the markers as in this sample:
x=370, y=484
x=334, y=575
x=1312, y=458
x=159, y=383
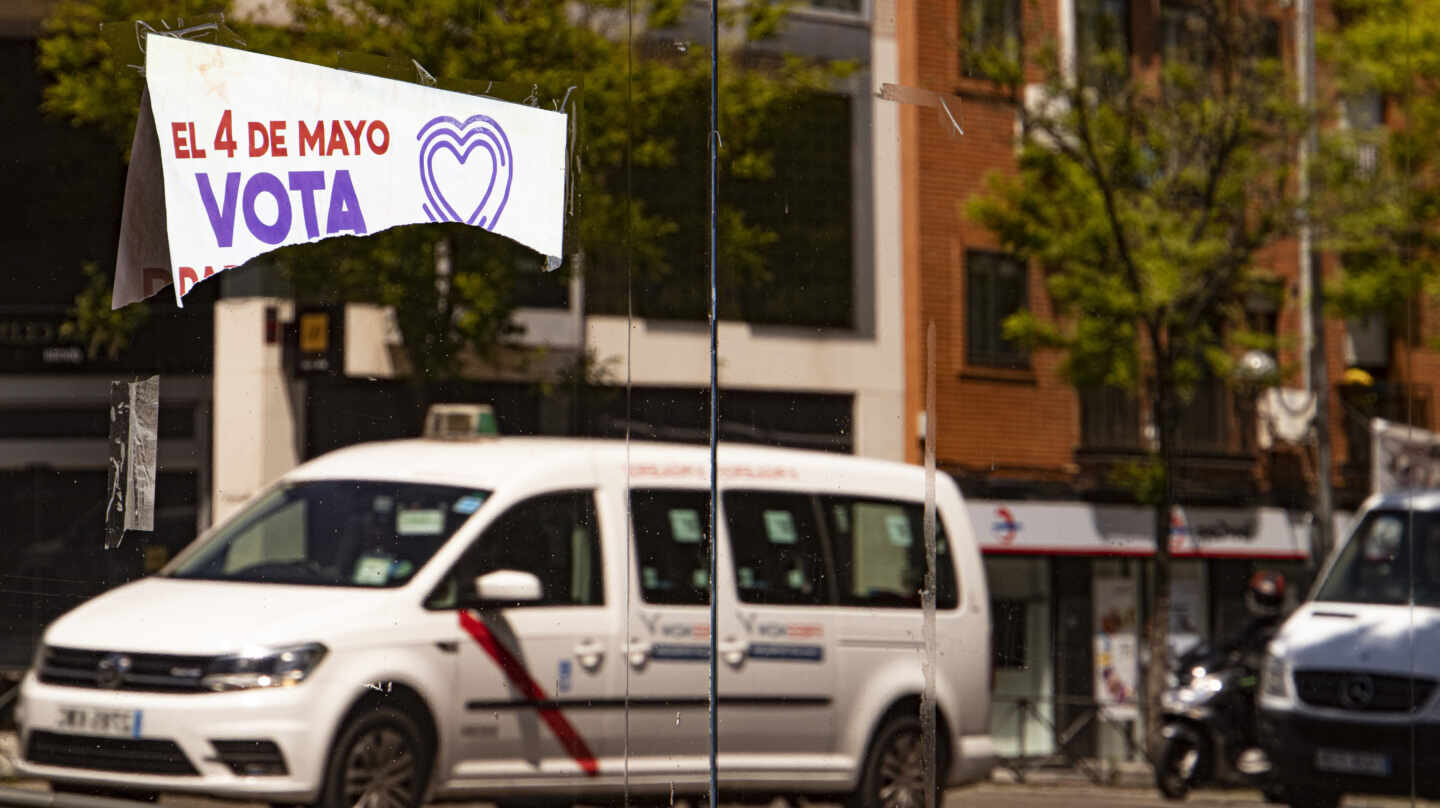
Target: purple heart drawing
x=461, y=165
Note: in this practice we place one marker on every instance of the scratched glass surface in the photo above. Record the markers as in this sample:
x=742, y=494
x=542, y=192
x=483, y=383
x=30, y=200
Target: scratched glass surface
x=858, y=402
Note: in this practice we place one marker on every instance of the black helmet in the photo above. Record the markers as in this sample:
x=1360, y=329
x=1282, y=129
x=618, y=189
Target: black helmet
x=1266, y=595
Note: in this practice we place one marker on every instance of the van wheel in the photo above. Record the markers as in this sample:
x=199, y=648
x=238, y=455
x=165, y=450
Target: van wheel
x=379, y=761
x=894, y=772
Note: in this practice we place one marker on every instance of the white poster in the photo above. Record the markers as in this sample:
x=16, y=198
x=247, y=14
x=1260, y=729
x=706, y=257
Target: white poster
x=1403, y=457
x=1187, y=609
x=260, y=152
x=1117, y=660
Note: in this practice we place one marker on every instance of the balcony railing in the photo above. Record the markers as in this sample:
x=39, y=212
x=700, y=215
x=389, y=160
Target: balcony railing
x=1215, y=440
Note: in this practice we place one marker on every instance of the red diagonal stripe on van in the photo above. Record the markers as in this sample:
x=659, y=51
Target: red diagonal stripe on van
x=521, y=679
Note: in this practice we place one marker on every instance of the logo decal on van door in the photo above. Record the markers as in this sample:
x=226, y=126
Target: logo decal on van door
x=534, y=693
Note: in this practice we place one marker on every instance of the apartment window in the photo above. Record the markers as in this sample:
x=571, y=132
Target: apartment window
x=1101, y=27
x=1364, y=117
x=849, y=6
x=1183, y=35
x=995, y=288
x=990, y=31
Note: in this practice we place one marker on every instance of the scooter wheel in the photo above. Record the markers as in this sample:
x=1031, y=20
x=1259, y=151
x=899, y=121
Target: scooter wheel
x=1181, y=760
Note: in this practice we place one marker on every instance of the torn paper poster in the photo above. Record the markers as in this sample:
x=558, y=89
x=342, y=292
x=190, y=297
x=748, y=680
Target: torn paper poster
x=134, y=417
x=258, y=152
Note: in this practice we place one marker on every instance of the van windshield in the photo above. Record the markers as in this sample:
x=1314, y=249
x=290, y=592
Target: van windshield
x=333, y=533
x=1388, y=554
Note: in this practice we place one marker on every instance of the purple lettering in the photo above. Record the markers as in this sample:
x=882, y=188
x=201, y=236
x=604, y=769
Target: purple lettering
x=222, y=217
x=344, y=207
x=268, y=183
x=307, y=183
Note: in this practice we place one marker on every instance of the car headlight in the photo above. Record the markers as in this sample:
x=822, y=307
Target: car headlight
x=1275, y=677
x=264, y=667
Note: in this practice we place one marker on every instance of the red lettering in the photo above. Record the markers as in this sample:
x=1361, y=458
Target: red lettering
x=195, y=150
x=225, y=136
x=182, y=149
x=337, y=139
x=277, y=138
x=188, y=278
x=384, y=144
x=258, y=148
x=355, y=132
x=312, y=139
x=156, y=278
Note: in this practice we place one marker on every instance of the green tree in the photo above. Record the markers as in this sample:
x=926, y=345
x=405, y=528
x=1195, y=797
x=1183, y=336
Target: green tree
x=1145, y=191
x=1377, y=193
x=641, y=106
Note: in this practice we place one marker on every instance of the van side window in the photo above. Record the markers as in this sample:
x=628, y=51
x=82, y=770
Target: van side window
x=879, y=550
x=552, y=536
x=776, y=546
x=672, y=545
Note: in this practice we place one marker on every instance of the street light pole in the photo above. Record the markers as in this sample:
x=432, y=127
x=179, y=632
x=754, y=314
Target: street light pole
x=1312, y=284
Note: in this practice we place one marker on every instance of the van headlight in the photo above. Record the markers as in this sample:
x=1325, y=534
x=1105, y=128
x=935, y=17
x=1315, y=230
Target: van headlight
x=1275, y=677
x=264, y=667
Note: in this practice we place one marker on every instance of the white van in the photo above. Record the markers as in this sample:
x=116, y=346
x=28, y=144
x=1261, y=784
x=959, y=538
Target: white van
x=1348, y=691
x=431, y=618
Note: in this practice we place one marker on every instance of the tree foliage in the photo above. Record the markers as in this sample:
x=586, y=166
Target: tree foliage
x=1146, y=192
x=641, y=105
x=1378, y=196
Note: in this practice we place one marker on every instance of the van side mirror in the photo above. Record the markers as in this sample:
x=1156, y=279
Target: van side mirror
x=504, y=587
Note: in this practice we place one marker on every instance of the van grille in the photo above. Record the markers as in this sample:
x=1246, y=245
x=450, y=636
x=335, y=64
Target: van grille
x=1360, y=691
x=130, y=755
x=153, y=673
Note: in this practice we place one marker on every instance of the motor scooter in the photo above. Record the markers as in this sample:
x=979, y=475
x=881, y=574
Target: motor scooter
x=1208, y=716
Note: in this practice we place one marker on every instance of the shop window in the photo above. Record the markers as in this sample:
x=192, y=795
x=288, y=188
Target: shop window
x=880, y=553
x=672, y=546
x=990, y=31
x=553, y=536
x=778, y=555
x=996, y=287
x=1007, y=637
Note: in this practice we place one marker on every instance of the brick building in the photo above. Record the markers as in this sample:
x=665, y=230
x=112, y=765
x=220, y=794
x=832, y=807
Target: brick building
x=1035, y=455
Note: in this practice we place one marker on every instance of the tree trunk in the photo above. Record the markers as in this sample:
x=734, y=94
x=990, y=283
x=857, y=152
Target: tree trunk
x=1158, y=630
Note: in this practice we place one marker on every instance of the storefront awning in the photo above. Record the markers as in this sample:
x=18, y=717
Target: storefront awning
x=1078, y=528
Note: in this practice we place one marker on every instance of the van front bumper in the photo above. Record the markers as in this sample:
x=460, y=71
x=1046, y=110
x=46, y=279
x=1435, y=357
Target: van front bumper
x=255, y=744
x=1313, y=752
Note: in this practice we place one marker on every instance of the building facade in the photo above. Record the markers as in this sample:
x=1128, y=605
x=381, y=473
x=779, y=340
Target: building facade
x=1064, y=541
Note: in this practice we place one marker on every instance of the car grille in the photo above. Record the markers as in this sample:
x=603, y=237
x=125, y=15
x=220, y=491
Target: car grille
x=130, y=755
x=1365, y=692
x=154, y=673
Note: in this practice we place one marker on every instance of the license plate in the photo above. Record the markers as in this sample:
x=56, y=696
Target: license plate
x=1344, y=761
x=95, y=721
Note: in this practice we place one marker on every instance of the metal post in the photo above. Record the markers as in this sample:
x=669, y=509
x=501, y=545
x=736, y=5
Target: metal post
x=714, y=139
x=1312, y=286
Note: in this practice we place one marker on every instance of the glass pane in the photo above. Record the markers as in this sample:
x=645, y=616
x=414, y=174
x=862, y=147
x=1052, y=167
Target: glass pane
x=672, y=545
x=777, y=549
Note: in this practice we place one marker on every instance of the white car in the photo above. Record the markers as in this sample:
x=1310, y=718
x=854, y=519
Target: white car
x=406, y=620
x=1348, y=692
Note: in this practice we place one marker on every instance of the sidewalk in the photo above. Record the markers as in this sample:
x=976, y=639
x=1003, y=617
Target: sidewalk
x=1112, y=773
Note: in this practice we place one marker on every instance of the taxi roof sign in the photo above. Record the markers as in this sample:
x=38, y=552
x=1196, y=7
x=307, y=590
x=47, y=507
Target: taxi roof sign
x=460, y=421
